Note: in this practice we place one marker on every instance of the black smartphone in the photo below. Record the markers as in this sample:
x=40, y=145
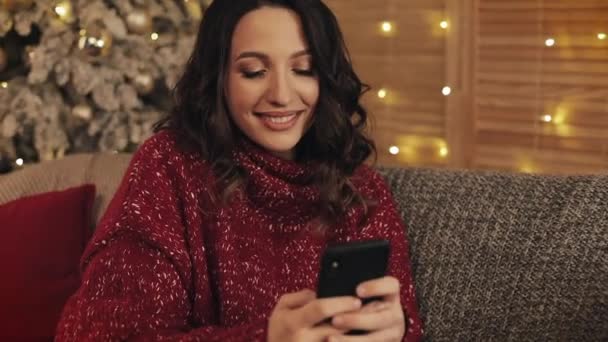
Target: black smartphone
x=345, y=266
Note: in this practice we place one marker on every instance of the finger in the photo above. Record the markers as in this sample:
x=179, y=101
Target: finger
x=375, y=306
x=321, y=309
x=296, y=299
x=377, y=336
x=387, y=287
x=323, y=332
x=369, y=321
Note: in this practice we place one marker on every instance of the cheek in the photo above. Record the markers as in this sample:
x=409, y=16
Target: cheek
x=310, y=93
x=310, y=96
x=241, y=96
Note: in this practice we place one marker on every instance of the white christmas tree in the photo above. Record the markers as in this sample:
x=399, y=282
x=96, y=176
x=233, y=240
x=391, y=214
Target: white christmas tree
x=88, y=75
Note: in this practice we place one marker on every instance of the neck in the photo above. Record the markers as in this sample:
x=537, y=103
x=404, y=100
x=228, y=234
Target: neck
x=287, y=155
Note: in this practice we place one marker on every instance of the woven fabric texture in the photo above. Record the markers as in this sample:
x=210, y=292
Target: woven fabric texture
x=44, y=177
x=102, y=169
x=507, y=257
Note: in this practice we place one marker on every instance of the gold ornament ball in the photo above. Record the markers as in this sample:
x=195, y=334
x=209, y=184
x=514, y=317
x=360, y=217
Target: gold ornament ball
x=144, y=83
x=63, y=9
x=3, y=59
x=95, y=41
x=194, y=9
x=6, y=25
x=15, y=5
x=83, y=112
x=139, y=21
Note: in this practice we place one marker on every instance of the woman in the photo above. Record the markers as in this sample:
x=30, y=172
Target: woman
x=216, y=231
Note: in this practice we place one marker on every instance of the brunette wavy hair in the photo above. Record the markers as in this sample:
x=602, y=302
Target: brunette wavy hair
x=336, y=140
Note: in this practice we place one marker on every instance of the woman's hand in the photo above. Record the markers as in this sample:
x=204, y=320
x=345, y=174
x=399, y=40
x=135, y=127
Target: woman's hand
x=296, y=317
x=383, y=319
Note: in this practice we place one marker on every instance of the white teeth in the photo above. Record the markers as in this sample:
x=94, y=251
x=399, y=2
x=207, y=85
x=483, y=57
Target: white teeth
x=282, y=119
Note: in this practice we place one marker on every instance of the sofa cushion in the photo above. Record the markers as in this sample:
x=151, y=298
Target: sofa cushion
x=105, y=170
x=507, y=257
x=41, y=240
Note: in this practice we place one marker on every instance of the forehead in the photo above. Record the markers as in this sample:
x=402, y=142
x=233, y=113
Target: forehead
x=272, y=30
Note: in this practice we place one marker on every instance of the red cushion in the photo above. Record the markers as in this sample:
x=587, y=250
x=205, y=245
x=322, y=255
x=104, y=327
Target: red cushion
x=41, y=240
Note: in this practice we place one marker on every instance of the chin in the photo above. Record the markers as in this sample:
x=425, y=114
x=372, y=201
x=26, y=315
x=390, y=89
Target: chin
x=275, y=147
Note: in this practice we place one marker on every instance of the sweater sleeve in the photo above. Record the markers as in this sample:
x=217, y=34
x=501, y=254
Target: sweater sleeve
x=387, y=221
x=137, y=281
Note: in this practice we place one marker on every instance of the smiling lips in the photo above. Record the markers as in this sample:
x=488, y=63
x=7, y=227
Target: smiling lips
x=279, y=121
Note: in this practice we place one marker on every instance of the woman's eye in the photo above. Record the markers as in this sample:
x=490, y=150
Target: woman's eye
x=304, y=72
x=253, y=74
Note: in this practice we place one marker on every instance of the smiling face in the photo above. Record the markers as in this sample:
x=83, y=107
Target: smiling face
x=271, y=88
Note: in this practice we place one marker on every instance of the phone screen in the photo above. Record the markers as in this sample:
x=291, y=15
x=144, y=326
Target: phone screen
x=345, y=266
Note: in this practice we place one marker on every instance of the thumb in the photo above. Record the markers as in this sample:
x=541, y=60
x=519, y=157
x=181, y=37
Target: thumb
x=296, y=299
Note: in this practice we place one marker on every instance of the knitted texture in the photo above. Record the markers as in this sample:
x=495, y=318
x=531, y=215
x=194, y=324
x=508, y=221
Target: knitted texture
x=505, y=257
x=165, y=264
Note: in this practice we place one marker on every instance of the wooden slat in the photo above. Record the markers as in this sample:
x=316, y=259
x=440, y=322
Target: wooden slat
x=519, y=79
x=529, y=140
x=512, y=5
x=503, y=80
x=459, y=65
x=409, y=63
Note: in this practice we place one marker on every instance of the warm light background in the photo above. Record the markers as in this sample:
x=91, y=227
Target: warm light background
x=517, y=102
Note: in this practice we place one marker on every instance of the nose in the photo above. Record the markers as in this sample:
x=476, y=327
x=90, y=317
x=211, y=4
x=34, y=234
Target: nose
x=280, y=90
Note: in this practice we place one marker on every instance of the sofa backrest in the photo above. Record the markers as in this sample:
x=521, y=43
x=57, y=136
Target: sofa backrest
x=507, y=256
x=103, y=170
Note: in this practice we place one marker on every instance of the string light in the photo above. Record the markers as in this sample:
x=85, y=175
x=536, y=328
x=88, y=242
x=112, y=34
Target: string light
x=154, y=36
x=446, y=91
x=601, y=36
x=443, y=151
x=64, y=11
x=4, y=85
x=550, y=42
x=382, y=93
x=526, y=168
x=394, y=150
x=61, y=10
x=444, y=24
x=19, y=162
x=547, y=118
x=387, y=26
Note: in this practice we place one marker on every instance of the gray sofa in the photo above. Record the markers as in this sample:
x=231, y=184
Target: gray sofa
x=496, y=257
x=506, y=257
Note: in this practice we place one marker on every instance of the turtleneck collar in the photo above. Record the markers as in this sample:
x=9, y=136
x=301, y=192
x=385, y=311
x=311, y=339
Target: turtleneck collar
x=280, y=186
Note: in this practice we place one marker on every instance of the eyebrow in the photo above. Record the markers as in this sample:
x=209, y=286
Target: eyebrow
x=266, y=58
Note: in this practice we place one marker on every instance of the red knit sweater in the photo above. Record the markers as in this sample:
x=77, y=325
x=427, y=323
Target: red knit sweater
x=163, y=265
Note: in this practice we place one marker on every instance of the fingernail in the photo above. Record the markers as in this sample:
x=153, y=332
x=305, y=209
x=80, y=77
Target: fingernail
x=338, y=320
x=373, y=305
x=357, y=302
x=361, y=291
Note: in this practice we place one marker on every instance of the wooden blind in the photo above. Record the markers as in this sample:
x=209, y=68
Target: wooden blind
x=408, y=63
x=541, y=86
x=528, y=78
